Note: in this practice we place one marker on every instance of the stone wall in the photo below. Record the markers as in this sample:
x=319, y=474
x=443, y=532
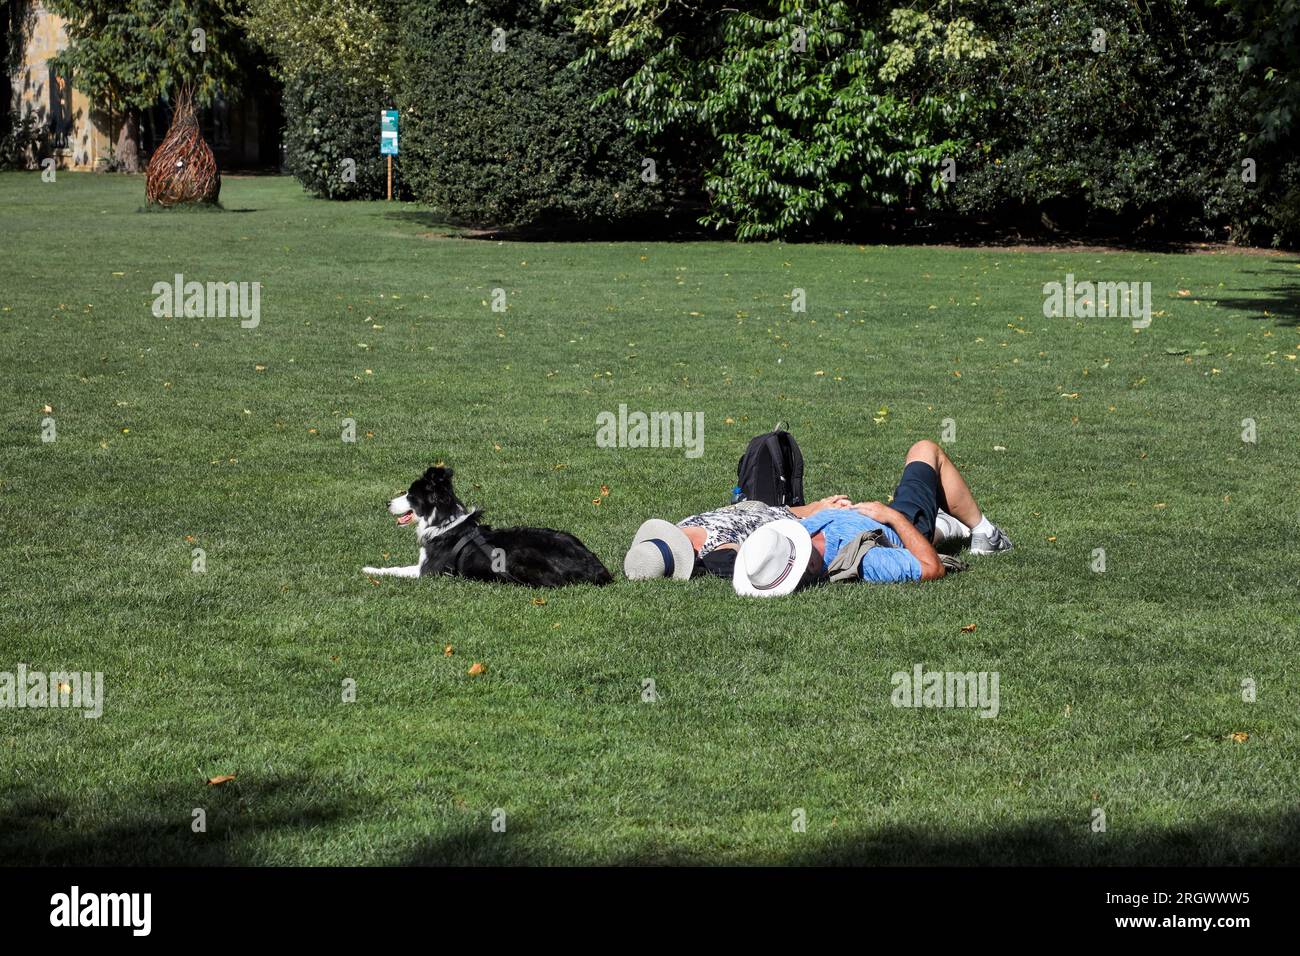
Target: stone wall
x=81, y=132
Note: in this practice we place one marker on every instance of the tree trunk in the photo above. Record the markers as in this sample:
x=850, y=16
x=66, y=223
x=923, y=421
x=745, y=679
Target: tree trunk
x=127, y=151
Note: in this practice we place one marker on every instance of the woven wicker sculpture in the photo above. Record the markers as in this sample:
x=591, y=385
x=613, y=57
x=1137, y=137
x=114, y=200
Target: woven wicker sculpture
x=183, y=169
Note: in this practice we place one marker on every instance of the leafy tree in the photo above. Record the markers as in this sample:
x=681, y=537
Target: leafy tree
x=348, y=40
x=1267, y=53
x=1265, y=50
x=806, y=111
x=128, y=54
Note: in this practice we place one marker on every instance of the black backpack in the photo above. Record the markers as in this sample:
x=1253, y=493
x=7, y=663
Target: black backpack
x=771, y=470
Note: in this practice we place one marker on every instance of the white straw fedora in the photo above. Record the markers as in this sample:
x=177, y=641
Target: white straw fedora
x=659, y=550
x=773, y=559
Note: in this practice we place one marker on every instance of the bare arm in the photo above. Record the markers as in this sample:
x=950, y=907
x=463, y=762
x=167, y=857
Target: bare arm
x=831, y=501
x=921, y=549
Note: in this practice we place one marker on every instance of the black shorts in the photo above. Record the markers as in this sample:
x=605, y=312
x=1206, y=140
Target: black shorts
x=917, y=497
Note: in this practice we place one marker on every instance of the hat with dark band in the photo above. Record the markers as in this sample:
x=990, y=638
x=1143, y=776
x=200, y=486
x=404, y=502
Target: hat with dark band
x=660, y=549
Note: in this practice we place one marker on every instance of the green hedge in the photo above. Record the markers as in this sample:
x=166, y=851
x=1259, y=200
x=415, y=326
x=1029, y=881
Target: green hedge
x=327, y=122
x=1144, y=137
x=512, y=138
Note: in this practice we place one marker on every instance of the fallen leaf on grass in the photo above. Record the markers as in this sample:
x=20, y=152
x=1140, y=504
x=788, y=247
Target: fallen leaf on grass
x=604, y=491
x=969, y=628
x=539, y=601
x=218, y=781
x=374, y=581
x=477, y=668
x=1240, y=737
x=47, y=409
x=447, y=651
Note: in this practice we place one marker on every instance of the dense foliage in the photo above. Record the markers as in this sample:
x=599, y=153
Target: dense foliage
x=1108, y=113
x=331, y=136
x=809, y=110
x=497, y=127
x=787, y=118
x=1095, y=114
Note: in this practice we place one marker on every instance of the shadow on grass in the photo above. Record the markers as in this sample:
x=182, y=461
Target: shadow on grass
x=156, y=828
x=1281, y=302
x=190, y=209
x=243, y=819
x=873, y=227
x=1228, y=841
x=655, y=231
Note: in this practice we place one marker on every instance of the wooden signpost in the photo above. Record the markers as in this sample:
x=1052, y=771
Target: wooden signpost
x=388, y=142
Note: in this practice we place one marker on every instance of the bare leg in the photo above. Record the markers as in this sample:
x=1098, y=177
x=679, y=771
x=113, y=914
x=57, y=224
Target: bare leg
x=954, y=494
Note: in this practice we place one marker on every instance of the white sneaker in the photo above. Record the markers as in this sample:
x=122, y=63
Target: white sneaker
x=990, y=543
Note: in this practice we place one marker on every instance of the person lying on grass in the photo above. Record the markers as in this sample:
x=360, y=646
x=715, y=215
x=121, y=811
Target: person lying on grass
x=932, y=494
x=706, y=543
x=872, y=541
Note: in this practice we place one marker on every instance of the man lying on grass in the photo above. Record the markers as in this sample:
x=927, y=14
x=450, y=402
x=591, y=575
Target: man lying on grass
x=872, y=541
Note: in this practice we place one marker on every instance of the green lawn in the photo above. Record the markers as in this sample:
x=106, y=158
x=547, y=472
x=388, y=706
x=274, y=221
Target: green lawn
x=1118, y=690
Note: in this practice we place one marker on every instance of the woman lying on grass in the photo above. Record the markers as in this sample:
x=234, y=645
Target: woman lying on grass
x=707, y=542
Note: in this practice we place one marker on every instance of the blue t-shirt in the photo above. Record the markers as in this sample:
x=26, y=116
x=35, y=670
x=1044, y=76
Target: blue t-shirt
x=880, y=565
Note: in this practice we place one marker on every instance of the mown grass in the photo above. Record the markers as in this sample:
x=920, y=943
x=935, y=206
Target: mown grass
x=1119, y=690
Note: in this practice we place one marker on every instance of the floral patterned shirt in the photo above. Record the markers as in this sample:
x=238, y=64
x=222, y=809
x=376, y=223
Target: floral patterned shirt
x=734, y=523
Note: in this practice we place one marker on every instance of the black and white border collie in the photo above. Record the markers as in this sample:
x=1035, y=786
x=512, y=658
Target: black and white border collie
x=453, y=542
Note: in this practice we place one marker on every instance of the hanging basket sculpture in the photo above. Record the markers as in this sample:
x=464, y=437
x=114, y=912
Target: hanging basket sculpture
x=183, y=169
